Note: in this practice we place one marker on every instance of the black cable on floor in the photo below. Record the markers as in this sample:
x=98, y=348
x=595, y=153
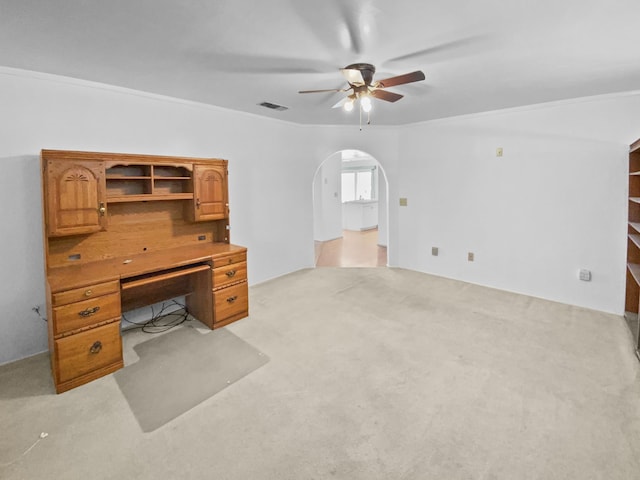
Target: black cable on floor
x=161, y=322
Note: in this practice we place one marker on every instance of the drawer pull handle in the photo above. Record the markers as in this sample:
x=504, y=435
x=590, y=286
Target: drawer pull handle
x=88, y=312
x=232, y=299
x=230, y=273
x=96, y=347
x=88, y=293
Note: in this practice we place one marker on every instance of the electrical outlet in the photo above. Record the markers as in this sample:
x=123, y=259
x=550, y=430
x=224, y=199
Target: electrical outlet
x=470, y=256
x=434, y=251
x=584, y=275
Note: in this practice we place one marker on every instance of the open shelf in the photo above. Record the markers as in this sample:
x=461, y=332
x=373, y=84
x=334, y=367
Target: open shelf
x=142, y=183
x=147, y=197
x=127, y=177
x=635, y=239
x=634, y=268
x=632, y=293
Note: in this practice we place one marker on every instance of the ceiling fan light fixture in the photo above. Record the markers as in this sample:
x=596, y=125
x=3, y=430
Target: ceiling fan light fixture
x=348, y=106
x=365, y=103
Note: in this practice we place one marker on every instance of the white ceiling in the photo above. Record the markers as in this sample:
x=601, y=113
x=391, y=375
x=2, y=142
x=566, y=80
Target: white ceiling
x=476, y=55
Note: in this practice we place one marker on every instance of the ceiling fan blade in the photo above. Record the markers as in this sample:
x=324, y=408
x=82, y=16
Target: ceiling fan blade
x=323, y=91
x=443, y=47
x=341, y=103
x=239, y=63
x=416, y=76
x=385, y=95
x=351, y=23
x=353, y=76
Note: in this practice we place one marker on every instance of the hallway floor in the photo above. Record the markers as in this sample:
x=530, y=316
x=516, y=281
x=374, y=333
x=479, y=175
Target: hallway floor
x=354, y=249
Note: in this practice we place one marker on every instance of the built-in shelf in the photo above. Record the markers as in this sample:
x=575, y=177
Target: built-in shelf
x=148, y=182
x=632, y=293
x=635, y=239
x=634, y=268
x=148, y=197
x=127, y=177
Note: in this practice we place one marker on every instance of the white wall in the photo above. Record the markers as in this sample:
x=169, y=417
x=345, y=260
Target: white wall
x=554, y=203
x=383, y=209
x=270, y=206
x=460, y=196
x=327, y=206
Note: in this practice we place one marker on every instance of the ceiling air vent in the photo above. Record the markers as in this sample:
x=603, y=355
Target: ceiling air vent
x=273, y=106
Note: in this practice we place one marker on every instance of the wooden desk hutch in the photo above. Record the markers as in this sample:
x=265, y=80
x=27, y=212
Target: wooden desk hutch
x=122, y=231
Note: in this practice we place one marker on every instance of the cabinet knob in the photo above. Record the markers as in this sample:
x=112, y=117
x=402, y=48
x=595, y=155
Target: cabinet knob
x=232, y=299
x=102, y=209
x=96, y=347
x=88, y=293
x=89, y=311
x=230, y=273
x=197, y=203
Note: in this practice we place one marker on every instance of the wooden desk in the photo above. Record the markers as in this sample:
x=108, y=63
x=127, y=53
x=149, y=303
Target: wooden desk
x=87, y=301
x=126, y=230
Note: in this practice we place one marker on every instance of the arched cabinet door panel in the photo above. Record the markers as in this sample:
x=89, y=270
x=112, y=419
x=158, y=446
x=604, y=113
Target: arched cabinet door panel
x=76, y=198
x=210, y=199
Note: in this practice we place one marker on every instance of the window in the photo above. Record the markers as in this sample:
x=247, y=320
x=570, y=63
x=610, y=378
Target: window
x=357, y=185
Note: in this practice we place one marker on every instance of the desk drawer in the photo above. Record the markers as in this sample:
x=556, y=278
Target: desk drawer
x=234, y=273
x=229, y=259
x=230, y=301
x=86, y=313
x=88, y=351
x=84, y=293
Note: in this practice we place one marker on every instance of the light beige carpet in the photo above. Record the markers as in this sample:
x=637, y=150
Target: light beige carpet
x=374, y=374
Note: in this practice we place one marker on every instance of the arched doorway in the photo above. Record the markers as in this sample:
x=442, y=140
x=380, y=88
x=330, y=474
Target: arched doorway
x=350, y=211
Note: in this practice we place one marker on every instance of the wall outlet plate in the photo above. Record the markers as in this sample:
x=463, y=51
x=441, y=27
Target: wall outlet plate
x=584, y=275
x=470, y=256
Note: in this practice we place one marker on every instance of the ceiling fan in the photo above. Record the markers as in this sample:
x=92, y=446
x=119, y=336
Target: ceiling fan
x=362, y=86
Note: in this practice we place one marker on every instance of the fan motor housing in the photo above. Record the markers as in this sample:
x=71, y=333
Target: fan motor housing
x=366, y=69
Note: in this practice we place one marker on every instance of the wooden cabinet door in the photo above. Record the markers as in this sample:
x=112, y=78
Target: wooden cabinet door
x=76, y=197
x=210, y=192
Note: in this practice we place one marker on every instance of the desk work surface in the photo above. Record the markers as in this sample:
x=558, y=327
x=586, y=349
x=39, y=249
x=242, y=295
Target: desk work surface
x=73, y=276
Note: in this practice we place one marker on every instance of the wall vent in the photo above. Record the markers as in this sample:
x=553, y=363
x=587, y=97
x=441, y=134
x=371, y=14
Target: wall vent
x=273, y=106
